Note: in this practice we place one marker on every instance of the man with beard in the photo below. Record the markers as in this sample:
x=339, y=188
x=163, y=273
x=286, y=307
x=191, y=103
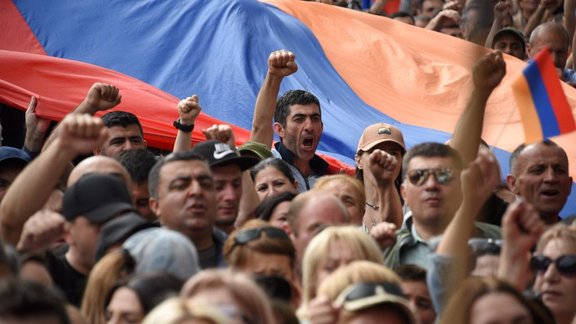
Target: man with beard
x=297, y=121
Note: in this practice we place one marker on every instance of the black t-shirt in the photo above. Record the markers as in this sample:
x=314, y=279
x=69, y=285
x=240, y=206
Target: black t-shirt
x=71, y=282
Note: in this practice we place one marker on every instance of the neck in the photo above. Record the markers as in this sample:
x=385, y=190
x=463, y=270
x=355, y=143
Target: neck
x=202, y=241
x=77, y=263
x=227, y=228
x=550, y=219
x=302, y=165
x=428, y=231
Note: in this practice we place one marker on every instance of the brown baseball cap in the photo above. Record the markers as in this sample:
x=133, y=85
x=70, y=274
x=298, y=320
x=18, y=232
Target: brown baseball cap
x=380, y=133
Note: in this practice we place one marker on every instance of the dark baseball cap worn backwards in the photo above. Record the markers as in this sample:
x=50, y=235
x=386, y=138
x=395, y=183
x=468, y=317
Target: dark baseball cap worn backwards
x=98, y=197
x=220, y=154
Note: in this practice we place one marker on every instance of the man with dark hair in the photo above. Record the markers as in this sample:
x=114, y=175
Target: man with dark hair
x=183, y=197
x=139, y=163
x=414, y=287
x=539, y=174
x=510, y=41
x=297, y=121
x=227, y=166
x=125, y=133
x=29, y=302
x=12, y=161
x=432, y=189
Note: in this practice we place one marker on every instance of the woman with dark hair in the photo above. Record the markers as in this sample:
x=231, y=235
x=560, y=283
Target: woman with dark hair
x=274, y=209
x=273, y=176
x=489, y=300
x=133, y=298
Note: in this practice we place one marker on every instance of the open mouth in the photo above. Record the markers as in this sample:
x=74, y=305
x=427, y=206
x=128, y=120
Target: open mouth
x=550, y=193
x=308, y=141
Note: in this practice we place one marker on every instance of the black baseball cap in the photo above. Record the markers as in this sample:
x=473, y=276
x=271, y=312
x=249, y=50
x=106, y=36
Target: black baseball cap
x=98, y=197
x=220, y=154
x=510, y=31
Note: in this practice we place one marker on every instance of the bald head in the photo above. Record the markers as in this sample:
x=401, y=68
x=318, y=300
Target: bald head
x=309, y=213
x=102, y=165
x=555, y=37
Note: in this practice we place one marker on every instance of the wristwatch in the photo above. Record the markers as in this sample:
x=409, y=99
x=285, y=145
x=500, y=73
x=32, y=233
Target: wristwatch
x=182, y=127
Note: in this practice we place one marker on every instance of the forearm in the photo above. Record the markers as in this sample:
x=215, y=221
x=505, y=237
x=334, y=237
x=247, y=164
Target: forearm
x=378, y=6
x=496, y=26
x=248, y=201
x=468, y=131
x=262, y=131
x=31, y=189
x=183, y=141
x=390, y=205
x=569, y=19
x=534, y=21
x=514, y=267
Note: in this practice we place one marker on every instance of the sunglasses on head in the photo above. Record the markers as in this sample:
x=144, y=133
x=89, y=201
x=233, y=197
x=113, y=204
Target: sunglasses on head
x=365, y=290
x=565, y=265
x=481, y=246
x=248, y=235
x=419, y=177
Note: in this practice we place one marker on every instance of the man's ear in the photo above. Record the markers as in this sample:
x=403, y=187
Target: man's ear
x=278, y=129
x=403, y=191
x=97, y=151
x=357, y=159
x=512, y=184
x=145, y=143
x=154, y=206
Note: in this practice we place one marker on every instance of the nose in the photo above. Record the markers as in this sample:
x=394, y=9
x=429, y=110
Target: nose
x=549, y=174
x=431, y=183
x=228, y=193
x=551, y=274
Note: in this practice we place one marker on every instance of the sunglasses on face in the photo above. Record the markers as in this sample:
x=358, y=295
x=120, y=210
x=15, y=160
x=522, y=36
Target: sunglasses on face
x=248, y=235
x=418, y=177
x=565, y=265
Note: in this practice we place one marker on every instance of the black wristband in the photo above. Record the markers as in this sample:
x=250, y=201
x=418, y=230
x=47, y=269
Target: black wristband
x=182, y=127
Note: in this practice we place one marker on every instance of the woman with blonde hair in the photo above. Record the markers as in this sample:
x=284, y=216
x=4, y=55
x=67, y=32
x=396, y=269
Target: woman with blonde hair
x=333, y=248
x=365, y=292
x=350, y=191
x=178, y=311
x=233, y=294
x=113, y=266
x=554, y=264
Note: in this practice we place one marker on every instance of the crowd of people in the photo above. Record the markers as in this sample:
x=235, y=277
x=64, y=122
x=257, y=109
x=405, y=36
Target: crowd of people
x=265, y=232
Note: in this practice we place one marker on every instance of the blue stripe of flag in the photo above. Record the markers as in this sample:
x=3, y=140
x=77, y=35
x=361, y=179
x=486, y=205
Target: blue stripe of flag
x=541, y=100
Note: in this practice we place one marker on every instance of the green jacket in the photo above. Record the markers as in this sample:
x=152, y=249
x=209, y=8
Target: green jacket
x=405, y=240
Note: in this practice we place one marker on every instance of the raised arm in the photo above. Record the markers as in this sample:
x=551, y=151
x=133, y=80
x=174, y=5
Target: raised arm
x=100, y=97
x=36, y=129
x=280, y=64
x=78, y=134
x=521, y=229
x=384, y=168
x=478, y=182
x=542, y=14
x=188, y=110
x=502, y=12
x=487, y=75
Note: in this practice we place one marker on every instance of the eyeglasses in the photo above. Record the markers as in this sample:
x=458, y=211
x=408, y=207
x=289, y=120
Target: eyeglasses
x=566, y=264
x=366, y=294
x=248, y=235
x=482, y=246
x=419, y=176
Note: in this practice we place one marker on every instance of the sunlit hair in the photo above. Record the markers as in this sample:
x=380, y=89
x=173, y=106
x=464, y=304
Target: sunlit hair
x=245, y=292
x=103, y=278
x=176, y=310
x=560, y=231
x=237, y=254
x=361, y=245
x=459, y=307
x=354, y=183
